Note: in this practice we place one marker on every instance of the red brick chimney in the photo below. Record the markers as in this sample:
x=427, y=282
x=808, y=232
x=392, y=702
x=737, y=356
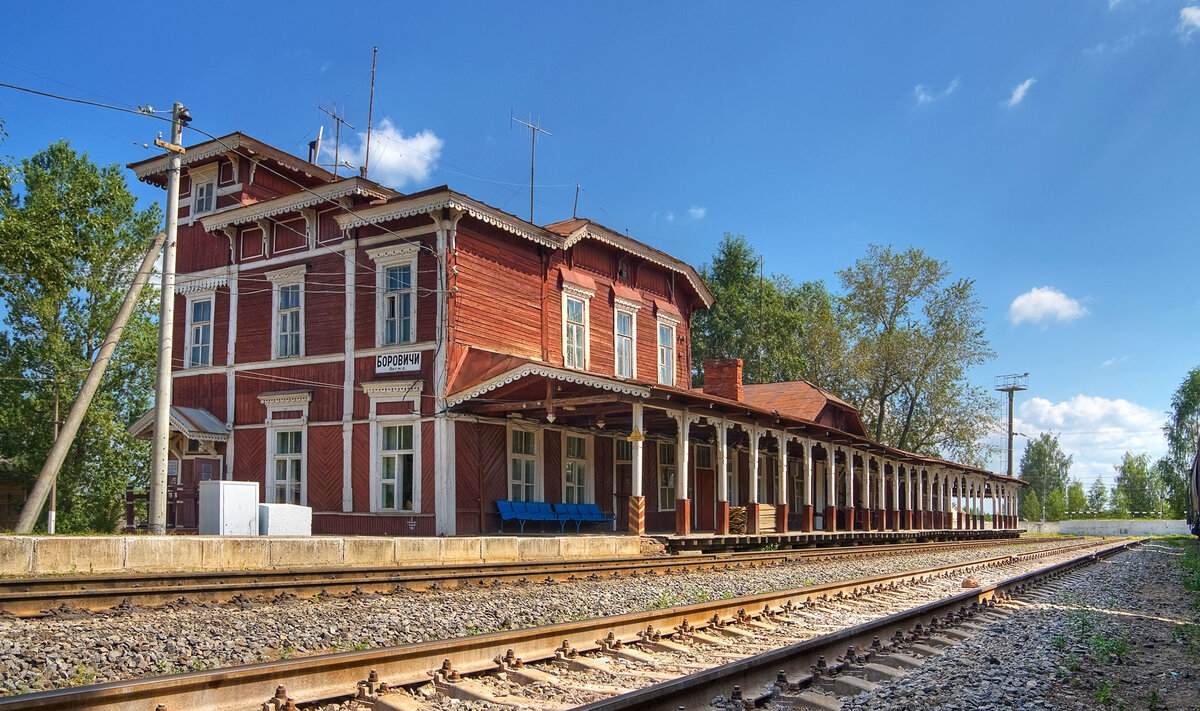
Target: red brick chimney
x=723, y=378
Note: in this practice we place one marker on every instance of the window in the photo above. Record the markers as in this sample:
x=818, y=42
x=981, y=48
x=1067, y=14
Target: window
x=575, y=333
x=204, y=196
x=397, y=483
x=703, y=456
x=666, y=476
x=731, y=478
x=288, y=320
x=397, y=305
x=666, y=354
x=396, y=293
x=796, y=480
x=522, y=465
x=766, y=466
x=624, y=453
x=288, y=466
x=199, y=317
x=575, y=481
x=624, y=344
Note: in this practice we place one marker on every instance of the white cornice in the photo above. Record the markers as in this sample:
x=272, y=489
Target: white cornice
x=195, y=154
x=547, y=372
x=289, y=274
x=407, y=207
x=645, y=252
x=394, y=253
x=577, y=291
x=194, y=286
x=406, y=389
x=286, y=400
x=297, y=201
x=627, y=304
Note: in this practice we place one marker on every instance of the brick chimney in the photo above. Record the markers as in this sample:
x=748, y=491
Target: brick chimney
x=723, y=378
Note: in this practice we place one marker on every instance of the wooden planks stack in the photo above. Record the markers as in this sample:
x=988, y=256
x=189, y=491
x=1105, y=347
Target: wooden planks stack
x=737, y=519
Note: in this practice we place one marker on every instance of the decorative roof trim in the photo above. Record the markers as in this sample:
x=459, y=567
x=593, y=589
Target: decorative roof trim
x=547, y=372
x=399, y=209
x=289, y=274
x=146, y=422
x=644, y=252
x=295, y=202
x=392, y=388
x=195, y=154
x=394, y=253
x=667, y=317
x=195, y=286
x=577, y=291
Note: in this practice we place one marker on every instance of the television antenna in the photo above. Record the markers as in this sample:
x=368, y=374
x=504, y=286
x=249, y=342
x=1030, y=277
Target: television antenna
x=535, y=130
x=338, y=122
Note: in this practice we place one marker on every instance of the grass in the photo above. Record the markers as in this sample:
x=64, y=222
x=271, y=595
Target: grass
x=664, y=600
x=1105, y=648
x=1105, y=692
x=83, y=676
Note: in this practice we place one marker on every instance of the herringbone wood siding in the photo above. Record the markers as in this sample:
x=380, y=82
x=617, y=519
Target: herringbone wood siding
x=325, y=468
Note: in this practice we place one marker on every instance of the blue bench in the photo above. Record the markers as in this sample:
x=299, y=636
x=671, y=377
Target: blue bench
x=525, y=511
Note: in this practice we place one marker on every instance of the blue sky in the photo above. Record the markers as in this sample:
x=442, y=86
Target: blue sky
x=1046, y=150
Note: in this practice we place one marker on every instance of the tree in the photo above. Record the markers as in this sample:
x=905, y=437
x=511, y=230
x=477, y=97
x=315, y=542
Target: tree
x=1138, y=485
x=1076, y=498
x=1056, y=505
x=1030, y=508
x=1181, y=430
x=916, y=334
x=1045, y=466
x=1097, y=497
x=73, y=238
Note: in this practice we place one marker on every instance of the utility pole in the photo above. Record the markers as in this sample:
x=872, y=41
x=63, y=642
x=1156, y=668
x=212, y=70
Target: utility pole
x=62, y=443
x=535, y=130
x=156, y=506
x=50, y=513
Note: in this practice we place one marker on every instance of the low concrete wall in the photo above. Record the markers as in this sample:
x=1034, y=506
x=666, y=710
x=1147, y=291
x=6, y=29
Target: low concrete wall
x=1037, y=528
x=80, y=555
x=1115, y=527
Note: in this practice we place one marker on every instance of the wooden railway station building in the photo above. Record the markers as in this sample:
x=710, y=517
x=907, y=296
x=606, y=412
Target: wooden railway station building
x=401, y=362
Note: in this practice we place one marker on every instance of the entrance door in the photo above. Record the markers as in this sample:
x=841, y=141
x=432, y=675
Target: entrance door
x=706, y=500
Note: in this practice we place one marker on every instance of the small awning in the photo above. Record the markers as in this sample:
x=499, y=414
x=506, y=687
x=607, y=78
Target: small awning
x=191, y=422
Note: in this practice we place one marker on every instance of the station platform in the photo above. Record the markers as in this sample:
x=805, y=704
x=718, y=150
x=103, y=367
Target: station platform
x=712, y=543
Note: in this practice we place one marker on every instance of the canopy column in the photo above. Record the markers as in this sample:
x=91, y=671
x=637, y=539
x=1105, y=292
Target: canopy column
x=806, y=510
x=830, y=488
x=752, y=503
x=722, y=522
x=637, y=499
x=781, y=491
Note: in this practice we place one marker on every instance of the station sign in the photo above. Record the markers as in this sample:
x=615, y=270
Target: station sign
x=398, y=362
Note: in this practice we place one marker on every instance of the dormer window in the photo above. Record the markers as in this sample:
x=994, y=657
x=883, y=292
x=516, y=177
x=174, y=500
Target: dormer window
x=204, y=189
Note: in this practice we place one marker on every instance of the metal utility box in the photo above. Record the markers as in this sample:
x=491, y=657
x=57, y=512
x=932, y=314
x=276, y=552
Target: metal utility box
x=229, y=508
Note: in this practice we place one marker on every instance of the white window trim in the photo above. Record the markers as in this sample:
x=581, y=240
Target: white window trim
x=280, y=278
x=589, y=453
x=732, y=476
x=674, y=326
x=211, y=297
x=578, y=293
x=660, y=475
x=203, y=176
x=772, y=462
x=629, y=307
x=286, y=402
x=396, y=255
x=394, y=391
x=539, y=489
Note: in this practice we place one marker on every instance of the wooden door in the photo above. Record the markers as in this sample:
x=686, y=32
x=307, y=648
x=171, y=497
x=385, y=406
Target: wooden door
x=706, y=500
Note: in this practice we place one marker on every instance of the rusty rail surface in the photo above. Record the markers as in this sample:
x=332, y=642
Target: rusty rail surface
x=31, y=597
x=333, y=676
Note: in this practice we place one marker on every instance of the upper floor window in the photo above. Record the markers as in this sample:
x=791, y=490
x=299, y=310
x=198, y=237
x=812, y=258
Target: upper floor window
x=397, y=478
x=575, y=333
x=288, y=314
x=204, y=189
x=624, y=344
x=666, y=353
x=199, y=346
x=396, y=293
x=575, y=470
x=522, y=456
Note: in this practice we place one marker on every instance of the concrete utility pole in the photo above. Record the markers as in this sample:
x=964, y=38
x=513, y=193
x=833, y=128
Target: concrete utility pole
x=156, y=507
x=62, y=443
x=50, y=513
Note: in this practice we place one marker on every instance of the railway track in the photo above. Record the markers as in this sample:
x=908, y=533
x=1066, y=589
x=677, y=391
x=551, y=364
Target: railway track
x=647, y=660
x=33, y=597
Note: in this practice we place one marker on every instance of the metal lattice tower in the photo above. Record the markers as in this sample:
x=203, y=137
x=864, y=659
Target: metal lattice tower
x=1011, y=384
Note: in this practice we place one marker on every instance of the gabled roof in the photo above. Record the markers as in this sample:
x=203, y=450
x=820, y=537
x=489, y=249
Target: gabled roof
x=154, y=170
x=192, y=422
x=801, y=398
x=577, y=229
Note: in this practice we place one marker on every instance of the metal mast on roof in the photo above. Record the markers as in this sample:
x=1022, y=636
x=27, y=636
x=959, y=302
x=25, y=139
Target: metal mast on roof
x=532, y=151
x=370, y=110
x=338, y=121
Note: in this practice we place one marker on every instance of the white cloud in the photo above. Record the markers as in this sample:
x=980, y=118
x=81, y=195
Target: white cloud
x=696, y=212
x=1114, y=361
x=926, y=95
x=1018, y=94
x=1095, y=431
x=396, y=159
x=1042, y=303
x=1189, y=21
x=670, y=216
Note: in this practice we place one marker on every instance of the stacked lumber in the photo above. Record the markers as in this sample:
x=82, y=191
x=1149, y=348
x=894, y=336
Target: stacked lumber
x=737, y=519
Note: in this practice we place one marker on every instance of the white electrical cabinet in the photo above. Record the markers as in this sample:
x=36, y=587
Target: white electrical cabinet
x=228, y=508
x=284, y=520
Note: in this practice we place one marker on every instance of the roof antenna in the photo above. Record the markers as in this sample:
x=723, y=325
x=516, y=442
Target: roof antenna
x=532, y=151
x=337, y=139
x=370, y=110
x=576, y=208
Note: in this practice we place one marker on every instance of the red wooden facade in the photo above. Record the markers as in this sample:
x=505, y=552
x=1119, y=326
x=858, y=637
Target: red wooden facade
x=390, y=360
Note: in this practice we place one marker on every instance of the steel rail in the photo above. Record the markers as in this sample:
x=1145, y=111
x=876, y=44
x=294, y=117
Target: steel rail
x=31, y=597
x=757, y=675
x=331, y=676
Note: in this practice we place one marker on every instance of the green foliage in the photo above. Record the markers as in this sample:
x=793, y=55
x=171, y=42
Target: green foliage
x=1097, y=497
x=1181, y=429
x=1138, y=483
x=1056, y=505
x=1030, y=507
x=1047, y=469
x=73, y=238
x=1076, y=498
x=897, y=344
x=1105, y=691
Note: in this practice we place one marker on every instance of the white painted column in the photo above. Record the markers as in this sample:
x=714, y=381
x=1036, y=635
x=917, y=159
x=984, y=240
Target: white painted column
x=723, y=461
x=867, y=488
x=636, y=458
x=830, y=483
x=781, y=496
x=810, y=486
x=908, y=491
x=230, y=373
x=753, y=465
x=681, y=457
x=850, y=480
